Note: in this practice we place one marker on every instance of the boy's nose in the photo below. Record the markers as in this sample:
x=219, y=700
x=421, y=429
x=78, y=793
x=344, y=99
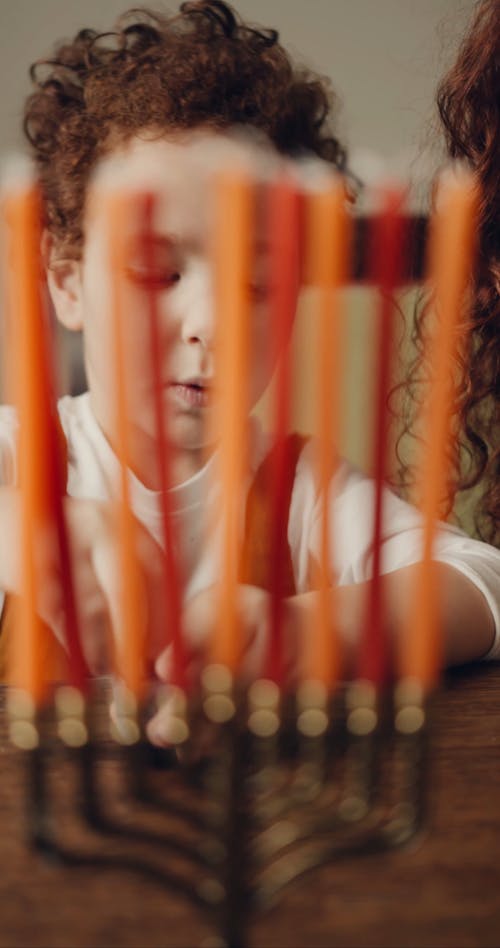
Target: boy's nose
x=197, y=305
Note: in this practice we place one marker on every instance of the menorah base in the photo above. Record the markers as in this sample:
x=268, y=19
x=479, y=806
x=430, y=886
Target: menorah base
x=281, y=789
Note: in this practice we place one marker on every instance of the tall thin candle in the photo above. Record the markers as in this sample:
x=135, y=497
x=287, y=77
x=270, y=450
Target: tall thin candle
x=117, y=209
x=387, y=256
x=41, y=466
x=283, y=279
x=328, y=246
x=171, y=568
x=232, y=278
x=450, y=259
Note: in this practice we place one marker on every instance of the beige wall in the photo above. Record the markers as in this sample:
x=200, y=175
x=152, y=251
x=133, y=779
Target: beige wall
x=384, y=56
x=359, y=349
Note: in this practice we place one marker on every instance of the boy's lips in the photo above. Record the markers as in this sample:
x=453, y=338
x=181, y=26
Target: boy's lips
x=193, y=392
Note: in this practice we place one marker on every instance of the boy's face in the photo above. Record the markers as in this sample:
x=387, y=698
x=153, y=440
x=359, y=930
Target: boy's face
x=178, y=170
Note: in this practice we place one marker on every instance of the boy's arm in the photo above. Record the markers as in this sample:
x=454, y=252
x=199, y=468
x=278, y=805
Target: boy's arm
x=9, y=568
x=465, y=616
x=467, y=621
x=9, y=539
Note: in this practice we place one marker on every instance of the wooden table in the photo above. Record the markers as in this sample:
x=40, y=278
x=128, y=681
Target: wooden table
x=443, y=890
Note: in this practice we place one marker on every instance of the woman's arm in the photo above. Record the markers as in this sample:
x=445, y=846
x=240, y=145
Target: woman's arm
x=466, y=619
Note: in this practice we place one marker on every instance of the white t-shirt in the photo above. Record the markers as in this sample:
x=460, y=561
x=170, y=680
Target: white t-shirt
x=93, y=472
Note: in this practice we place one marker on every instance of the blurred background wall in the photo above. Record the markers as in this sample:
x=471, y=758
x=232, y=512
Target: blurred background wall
x=384, y=57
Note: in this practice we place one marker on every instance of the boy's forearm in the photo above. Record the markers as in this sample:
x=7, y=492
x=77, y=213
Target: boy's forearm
x=467, y=621
x=9, y=539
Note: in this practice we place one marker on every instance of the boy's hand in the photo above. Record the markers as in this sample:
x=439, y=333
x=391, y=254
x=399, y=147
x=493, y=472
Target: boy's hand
x=199, y=620
x=96, y=557
x=199, y=623
x=299, y=622
x=94, y=550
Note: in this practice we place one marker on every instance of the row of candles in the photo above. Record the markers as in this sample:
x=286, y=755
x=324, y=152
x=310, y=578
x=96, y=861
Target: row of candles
x=309, y=239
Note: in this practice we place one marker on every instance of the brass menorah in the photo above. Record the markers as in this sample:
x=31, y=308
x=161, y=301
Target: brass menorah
x=261, y=786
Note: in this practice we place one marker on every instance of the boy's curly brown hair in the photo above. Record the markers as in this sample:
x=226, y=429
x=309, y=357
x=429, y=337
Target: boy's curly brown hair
x=200, y=67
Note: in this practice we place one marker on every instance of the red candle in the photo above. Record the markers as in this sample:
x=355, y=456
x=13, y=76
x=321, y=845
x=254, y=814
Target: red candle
x=78, y=673
x=387, y=257
x=283, y=277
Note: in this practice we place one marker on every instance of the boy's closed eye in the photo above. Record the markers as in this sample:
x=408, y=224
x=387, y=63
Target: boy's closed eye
x=152, y=278
x=259, y=287
x=153, y=263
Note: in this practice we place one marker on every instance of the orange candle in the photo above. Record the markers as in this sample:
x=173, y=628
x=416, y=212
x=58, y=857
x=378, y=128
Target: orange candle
x=131, y=636
x=22, y=216
x=451, y=256
x=328, y=255
x=232, y=277
x=172, y=580
x=34, y=661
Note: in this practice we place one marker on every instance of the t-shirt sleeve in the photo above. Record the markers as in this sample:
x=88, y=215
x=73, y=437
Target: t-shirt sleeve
x=351, y=530
x=8, y=467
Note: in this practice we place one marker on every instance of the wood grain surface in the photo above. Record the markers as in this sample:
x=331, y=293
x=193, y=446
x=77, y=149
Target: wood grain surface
x=442, y=890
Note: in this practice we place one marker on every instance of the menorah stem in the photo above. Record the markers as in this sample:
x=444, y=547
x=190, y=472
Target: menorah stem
x=77, y=730
x=411, y=727
x=313, y=722
x=264, y=722
x=28, y=731
x=362, y=752
x=128, y=729
x=40, y=824
x=235, y=907
x=92, y=808
x=225, y=782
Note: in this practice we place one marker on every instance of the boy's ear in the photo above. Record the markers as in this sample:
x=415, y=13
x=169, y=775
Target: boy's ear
x=64, y=283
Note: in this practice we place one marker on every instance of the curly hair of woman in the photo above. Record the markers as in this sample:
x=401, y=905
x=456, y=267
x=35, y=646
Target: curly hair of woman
x=469, y=108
